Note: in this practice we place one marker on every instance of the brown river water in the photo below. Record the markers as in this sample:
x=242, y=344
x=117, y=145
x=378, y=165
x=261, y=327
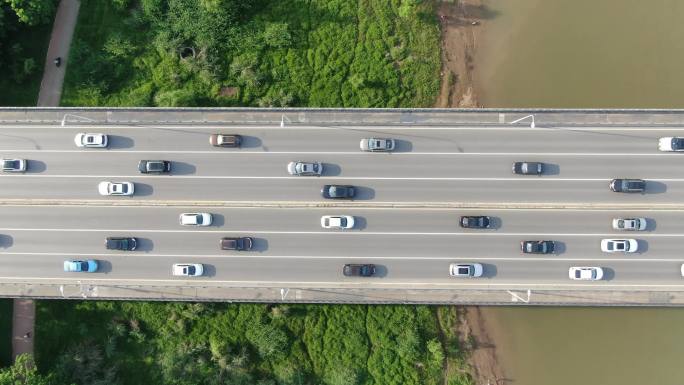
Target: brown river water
x=585, y=54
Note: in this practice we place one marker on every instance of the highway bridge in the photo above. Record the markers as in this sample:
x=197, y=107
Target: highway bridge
x=446, y=164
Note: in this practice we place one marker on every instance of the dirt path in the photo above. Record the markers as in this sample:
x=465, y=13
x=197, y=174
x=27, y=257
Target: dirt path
x=483, y=360
x=23, y=321
x=461, y=24
x=60, y=41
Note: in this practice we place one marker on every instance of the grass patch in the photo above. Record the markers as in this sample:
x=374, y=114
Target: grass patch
x=33, y=43
x=5, y=332
x=317, y=53
x=206, y=343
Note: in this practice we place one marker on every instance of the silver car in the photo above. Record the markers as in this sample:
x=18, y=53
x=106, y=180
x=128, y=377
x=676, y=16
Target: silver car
x=305, y=168
x=377, y=144
x=465, y=270
x=629, y=224
x=13, y=165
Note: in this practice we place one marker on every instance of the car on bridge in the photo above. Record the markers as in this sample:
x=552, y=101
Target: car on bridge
x=337, y=222
x=236, y=243
x=358, y=270
x=537, y=247
x=336, y=191
x=377, y=144
x=224, y=140
x=305, y=168
x=13, y=165
x=629, y=224
x=466, y=270
x=528, y=168
x=76, y=266
x=195, y=219
x=671, y=144
x=619, y=245
x=116, y=188
x=585, y=273
x=121, y=243
x=187, y=269
x=475, y=222
x=628, y=185
x=154, y=166
x=91, y=140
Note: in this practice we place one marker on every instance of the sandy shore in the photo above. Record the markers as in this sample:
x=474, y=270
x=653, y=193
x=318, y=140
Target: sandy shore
x=483, y=359
x=461, y=22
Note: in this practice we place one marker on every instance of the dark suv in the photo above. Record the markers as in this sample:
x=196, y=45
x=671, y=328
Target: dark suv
x=352, y=270
x=121, y=243
x=335, y=191
x=628, y=185
x=475, y=222
x=239, y=244
x=537, y=247
x=154, y=166
x=528, y=168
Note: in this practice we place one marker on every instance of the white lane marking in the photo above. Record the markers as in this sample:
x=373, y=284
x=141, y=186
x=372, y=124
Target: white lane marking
x=342, y=283
x=326, y=153
x=254, y=254
x=172, y=176
x=488, y=233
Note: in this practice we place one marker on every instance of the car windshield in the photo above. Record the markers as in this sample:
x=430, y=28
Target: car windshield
x=90, y=139
x=84, y=265
x=190, y=270
x=198, y=219
x=678, y=143
x=343, y=222
x=621, y=223
x=578, y=273
x=619, y=245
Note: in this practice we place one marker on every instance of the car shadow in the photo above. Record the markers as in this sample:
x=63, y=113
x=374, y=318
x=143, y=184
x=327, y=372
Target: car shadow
x=218, y=220
x=489, y=270
x=608, y=274
x=363, y=193
x=401, y=145
x=182, y=168
x=642, y=246
x=35, y=166
x=260, y=245
x=209, y=270
x=651, y=224
x=144, y=244
x=495, y=223
x=653, y=187
x=104, y=266
x=380, y=271
x=559, y=247
x=118, y=142
x=6, y=241
x=551, y=169
x=331, y=169
x=251, y=142
x=141, y=190
x=360, y=223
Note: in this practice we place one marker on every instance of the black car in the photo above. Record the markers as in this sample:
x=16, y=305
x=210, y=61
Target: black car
x=121, y=243
x=352, y=270
x=335, y=191
x=154, y=166
x=475, y=222
x=528, y=168
x=628, y=185
x=239, y=244
x=537, y=247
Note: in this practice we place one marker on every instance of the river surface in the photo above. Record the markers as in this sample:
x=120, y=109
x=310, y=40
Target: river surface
x=592, y=54
x=582, y=53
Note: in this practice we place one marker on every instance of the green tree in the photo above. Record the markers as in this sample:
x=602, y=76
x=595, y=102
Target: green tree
x=24, y=372
x=33, y=12
x=277, y=35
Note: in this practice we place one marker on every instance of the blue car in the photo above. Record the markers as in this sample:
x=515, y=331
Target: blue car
x=89, y=266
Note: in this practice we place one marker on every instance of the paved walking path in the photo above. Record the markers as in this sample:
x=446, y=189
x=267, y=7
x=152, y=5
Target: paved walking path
x=23, y=321
x=60, y=41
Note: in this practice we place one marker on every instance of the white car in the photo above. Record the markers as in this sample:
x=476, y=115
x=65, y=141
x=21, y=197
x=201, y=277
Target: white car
x=305, y=168
x=682, y=270
x=13, y=165
x=116, y=188
x=377, y=144
x=629, y=224
x=466, y=270
x=195, y=219
x=187, y=269
x=91, y=140
x=337, y=222
x=671, y=144
x=619, y=245
x=585, y=273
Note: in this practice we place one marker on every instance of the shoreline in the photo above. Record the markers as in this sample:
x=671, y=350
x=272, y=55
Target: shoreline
x=461, y=24
x=482, y=355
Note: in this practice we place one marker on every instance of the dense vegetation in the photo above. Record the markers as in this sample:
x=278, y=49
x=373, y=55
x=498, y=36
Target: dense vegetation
x=344, y=53
x=213, y=343
x=24, y=36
